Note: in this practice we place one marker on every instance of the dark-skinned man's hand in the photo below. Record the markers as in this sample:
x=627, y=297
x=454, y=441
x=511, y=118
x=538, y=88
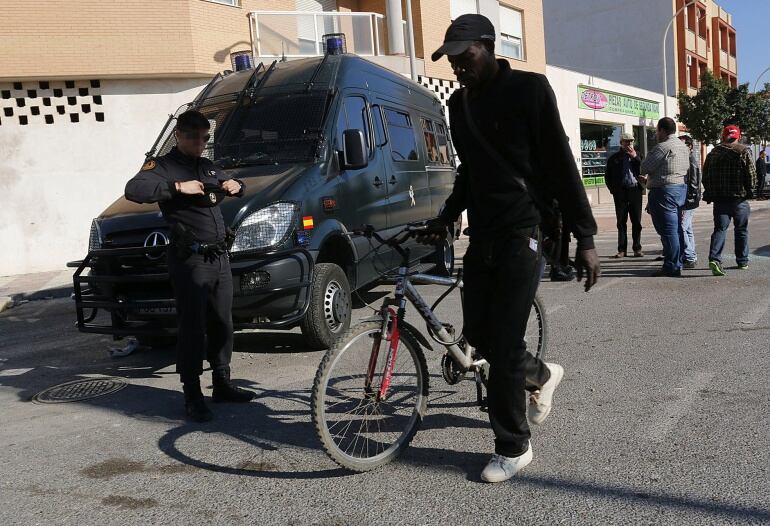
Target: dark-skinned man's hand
x=587, y=262
x=435, y=234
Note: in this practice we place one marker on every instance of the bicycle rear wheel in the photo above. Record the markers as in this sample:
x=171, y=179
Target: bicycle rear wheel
x=358, y=430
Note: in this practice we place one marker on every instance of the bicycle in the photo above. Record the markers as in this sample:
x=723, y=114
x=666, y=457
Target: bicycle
x=366, y=412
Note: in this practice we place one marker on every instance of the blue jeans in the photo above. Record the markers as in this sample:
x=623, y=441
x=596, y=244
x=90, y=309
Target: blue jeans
x=689, y=237
x=666, y=205
x=738, y=210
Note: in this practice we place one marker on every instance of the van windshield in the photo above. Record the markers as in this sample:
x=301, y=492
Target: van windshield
x=273, y=128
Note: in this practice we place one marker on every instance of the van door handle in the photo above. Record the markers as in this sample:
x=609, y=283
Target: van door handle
x=377, y=182
x=392, y=179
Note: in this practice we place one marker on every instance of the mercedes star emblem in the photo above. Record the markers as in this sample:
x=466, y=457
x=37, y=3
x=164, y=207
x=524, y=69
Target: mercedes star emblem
x=156, y=239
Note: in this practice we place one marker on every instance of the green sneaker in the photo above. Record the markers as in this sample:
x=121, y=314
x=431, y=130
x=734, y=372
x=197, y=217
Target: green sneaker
x=745, y=266
x=716, y=268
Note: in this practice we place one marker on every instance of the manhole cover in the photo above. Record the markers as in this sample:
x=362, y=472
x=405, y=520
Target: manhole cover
x=79, y=390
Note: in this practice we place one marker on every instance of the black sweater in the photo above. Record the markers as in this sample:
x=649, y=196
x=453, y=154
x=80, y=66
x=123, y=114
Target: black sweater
x=155, y=184
x=516, y=113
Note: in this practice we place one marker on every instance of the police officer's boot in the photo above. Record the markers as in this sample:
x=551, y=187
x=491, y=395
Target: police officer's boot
x=194, y=406
x=224, y=391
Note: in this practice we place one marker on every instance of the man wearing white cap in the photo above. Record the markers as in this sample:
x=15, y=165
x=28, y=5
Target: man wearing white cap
x=621, y=178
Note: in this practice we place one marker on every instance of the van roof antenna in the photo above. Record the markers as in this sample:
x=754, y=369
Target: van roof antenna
x=283, y=52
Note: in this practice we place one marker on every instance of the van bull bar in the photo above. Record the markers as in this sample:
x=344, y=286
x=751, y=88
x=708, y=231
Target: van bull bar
x=94, y=292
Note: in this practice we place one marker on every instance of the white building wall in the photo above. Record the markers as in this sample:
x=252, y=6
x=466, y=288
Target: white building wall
x=620, y=40
x=55, y=178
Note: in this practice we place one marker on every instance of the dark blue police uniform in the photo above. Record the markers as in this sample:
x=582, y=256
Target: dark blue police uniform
x=202, y=282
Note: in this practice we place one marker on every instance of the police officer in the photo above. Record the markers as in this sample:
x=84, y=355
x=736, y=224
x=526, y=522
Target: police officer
x=514, y=157
x=188, y=189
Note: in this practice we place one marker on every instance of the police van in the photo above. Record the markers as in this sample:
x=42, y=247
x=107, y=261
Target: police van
x=323, y=145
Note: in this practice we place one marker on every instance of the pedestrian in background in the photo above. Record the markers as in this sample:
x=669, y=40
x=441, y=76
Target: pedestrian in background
x=729, y=179
x=693, y=182
x=666, y=167
x=761, y=174
x=621, y=177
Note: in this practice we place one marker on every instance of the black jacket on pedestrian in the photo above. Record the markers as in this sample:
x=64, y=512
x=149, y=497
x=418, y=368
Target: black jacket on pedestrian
x=155, y=184
x=693, y=182
x=613, y=176
x=729, y=173
x=761, y=176
x=516, y=113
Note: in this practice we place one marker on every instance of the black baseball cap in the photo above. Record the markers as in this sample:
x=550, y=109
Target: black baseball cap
x=464, y=31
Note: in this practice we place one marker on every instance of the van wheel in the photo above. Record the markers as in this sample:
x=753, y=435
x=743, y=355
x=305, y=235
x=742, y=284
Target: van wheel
x=444, y=259
x=328, y=316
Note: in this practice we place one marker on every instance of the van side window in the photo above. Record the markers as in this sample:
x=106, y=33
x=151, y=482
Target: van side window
x=444, y=154
x=430, y=140
x=358, y=117
x=380, y=139
x=402, y=141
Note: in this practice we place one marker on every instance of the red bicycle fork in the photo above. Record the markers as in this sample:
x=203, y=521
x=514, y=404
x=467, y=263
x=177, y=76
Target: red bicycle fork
x=390, y=332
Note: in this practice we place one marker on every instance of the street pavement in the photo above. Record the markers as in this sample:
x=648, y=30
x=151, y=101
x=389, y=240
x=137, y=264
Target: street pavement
x=662, y=418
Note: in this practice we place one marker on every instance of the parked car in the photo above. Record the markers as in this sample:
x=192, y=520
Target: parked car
x=323, y=145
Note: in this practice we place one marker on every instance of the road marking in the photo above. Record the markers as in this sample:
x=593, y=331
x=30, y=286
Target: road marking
x=669, y=415
x=14, y=372
x=607, y=283
x=553, y=309
x=754, y=315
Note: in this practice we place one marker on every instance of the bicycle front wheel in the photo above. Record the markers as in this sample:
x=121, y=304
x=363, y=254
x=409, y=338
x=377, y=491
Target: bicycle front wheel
x=359, y=429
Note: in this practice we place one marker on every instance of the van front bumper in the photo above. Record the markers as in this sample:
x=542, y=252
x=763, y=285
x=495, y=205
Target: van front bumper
x=271, y=290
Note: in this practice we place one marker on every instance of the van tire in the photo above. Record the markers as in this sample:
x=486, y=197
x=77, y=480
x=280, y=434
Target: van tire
x=444, y=259
x=328, y=315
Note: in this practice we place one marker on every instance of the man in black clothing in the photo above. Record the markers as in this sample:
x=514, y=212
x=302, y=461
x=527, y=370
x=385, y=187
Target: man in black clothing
x=761, y=174
x=514, y=153
x=188, y=189
x=621, y=180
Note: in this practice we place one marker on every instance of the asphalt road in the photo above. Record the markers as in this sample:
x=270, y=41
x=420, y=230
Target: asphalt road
x=662, y=418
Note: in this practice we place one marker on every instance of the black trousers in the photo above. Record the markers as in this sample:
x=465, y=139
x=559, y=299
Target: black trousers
x=204, y=298
x=628, y=203
x=501, y=278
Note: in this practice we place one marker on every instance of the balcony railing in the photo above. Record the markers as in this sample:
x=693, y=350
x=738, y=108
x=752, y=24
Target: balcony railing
x=297, y=34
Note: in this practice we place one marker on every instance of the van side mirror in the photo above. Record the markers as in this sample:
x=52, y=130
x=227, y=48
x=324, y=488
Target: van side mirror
x=354, y=151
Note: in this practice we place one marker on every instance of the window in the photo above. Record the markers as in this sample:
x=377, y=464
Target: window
x=431, y=145
x=462, y=7
x=358, y=117
x=402, y=141
x=234, y=3
x=689, y=17
x=511, y=35
x=443, y=145
x=702, y=23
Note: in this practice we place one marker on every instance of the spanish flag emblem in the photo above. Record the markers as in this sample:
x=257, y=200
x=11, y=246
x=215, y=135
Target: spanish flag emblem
x=307, y=222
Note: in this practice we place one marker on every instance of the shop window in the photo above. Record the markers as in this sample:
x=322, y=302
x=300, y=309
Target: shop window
x=511, y=33
x=462, y=7
x=403, y=144
x=597, y=143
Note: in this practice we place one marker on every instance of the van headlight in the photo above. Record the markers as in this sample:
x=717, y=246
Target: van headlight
x=266, y=228
x=95, y=237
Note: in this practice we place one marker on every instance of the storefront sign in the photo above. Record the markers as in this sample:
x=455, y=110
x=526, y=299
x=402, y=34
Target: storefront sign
x=601, y=100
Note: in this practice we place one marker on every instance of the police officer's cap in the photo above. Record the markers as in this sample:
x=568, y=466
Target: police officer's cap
x=464, y=31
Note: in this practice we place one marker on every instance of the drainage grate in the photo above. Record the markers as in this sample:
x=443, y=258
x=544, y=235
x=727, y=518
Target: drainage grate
x=79, y=390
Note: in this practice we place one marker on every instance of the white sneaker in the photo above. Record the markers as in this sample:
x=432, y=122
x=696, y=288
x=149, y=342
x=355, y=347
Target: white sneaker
x=540, y=401
x=500, y=468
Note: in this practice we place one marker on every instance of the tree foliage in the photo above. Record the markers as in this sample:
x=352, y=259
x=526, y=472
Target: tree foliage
x=717, y=104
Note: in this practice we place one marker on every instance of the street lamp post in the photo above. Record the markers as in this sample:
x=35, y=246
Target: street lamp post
x=759, y=77
x=665, y=70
